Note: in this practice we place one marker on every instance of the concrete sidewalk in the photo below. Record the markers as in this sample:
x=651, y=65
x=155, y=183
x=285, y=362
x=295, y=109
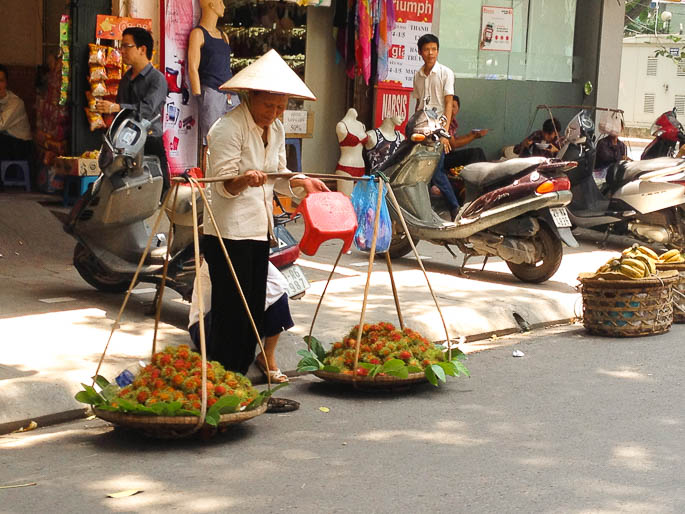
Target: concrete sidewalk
x=55, y=326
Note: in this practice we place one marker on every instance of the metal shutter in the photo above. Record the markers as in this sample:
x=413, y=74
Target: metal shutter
x=651, y=66
x=680, y=105
x=649, y=103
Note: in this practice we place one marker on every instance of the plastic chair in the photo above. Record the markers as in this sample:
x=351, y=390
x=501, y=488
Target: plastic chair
x=327, y=216
x=297, y=144
x=20, y=177
x=75, y=187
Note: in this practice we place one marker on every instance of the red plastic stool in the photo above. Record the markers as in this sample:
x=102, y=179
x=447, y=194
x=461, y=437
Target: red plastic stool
x=327, y=216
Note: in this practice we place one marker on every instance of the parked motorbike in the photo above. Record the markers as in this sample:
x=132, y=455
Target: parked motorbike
x=113, y=221
x=644, y=199
x=513, y=210
x=667, y=131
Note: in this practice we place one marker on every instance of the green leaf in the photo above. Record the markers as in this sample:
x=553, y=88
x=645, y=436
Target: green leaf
x=461, y=368
x=110, y=392
x=305, y=353
x=101, y=381
x=430, y=376
x=305, y=369
x=83, y=397
x=331, y=369
x=316, y=347
x=449, y=368
x=393, y=364
x=367, y=365
x=439, y=372
x=414, y=369
x=227, y=404
x=93, y=397
x=402, y=372
x=212, y=418
x=309, y=362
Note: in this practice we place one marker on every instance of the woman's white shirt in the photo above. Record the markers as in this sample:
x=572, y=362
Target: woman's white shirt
x=235, y=145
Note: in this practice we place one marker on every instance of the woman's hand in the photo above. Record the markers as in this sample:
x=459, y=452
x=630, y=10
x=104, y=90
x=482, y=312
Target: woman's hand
x=310, y=185
x=255, y=178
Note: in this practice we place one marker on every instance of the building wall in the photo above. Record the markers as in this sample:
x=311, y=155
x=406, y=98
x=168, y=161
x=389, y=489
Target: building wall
x=666, y=85
x=508, y=107
x=22, y=33
x=326, y=78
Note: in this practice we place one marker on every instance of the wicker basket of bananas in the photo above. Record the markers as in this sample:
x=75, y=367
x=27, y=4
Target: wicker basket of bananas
x=674, y=260
x=628, y=296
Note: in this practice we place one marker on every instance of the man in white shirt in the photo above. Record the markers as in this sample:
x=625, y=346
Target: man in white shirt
x=434, y=89
x=15, y=131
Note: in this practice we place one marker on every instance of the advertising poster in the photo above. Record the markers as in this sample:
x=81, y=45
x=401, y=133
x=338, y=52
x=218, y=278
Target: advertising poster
x=497, y=27
x=414, y=19
x=112, y=27
x=180, y=123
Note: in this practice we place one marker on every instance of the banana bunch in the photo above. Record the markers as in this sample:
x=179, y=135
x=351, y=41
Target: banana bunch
x=635, y=262
x=672, y=256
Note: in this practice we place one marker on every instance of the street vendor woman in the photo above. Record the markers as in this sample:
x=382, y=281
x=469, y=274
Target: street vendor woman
x=244, y=147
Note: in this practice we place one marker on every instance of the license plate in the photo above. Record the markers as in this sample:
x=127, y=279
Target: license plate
x=297, y=282
x=560, y=217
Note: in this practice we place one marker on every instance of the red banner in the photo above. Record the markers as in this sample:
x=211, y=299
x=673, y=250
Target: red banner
x=112, y=27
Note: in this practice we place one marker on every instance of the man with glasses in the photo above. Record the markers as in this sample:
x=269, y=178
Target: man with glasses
x=143, y=89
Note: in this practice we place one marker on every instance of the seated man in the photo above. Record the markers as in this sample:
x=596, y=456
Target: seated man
x=542, y=143
x=15, y=131
x=610, y=150
x=440, y=182
x=467, y=155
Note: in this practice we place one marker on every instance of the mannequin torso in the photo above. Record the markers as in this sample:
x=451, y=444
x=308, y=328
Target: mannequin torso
x=383, y=141
x=352, y=137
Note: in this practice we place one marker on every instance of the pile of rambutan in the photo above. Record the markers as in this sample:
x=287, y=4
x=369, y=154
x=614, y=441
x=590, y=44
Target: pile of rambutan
x=175, y=375
x=380, y=343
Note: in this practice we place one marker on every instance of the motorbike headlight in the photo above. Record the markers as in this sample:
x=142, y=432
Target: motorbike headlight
x=655, y=128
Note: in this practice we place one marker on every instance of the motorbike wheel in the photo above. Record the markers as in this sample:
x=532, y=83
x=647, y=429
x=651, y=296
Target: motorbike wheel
x=399, y=244
x=552, y=252
x=95, y=275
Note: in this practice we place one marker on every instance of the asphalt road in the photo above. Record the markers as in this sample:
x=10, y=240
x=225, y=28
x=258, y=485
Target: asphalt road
x=578, y=425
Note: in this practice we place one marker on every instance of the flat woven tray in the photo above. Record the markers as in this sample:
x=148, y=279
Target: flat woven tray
x=678, y=289
x=628, y=308
x=172, y=427
x=377, y=382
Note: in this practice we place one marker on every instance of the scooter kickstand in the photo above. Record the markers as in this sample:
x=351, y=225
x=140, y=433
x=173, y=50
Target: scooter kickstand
x=485, y=261
x=603, y=243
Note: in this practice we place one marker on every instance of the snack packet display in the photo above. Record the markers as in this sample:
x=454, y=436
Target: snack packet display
x=112, y=88
x=113, y=58
x=97, y=54
x=91, y=100
x=97, y=73
x=95, y=120
x=114, y=73
x=98, y=88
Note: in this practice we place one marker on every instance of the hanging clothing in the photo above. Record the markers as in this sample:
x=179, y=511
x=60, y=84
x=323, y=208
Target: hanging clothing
x=383, y=149
x=215, y=60
x=351, y=170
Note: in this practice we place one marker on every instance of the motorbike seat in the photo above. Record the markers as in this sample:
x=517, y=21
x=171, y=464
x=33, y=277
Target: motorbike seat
x=484, y=174
x=628, y=170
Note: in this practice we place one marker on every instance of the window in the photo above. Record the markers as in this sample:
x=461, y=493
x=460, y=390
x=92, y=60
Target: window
x=649, y=103
x=651, y=66
x=681, y=69
x=680, y=106
x=541, y=48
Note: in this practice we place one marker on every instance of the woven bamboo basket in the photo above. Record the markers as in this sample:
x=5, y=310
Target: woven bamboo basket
x=377, y=382
x=678, y=289
x=628, y=308
x=172, y=427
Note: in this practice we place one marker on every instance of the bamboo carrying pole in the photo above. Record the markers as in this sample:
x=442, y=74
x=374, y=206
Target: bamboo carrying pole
x=195, y=185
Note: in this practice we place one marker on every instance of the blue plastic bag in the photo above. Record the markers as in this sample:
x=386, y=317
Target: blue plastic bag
x=364, y=199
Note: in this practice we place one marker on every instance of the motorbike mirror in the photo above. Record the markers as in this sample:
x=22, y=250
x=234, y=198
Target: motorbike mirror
x=417, y=138
x=587, y=88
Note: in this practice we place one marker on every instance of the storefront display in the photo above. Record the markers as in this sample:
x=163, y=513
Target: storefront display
x=254, y=28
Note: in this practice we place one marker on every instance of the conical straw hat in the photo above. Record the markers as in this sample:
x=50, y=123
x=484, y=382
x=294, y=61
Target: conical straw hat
x=269, y=73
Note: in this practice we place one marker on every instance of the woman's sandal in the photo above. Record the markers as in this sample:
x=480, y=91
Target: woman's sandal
x=277, y=405
x=276, y=375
